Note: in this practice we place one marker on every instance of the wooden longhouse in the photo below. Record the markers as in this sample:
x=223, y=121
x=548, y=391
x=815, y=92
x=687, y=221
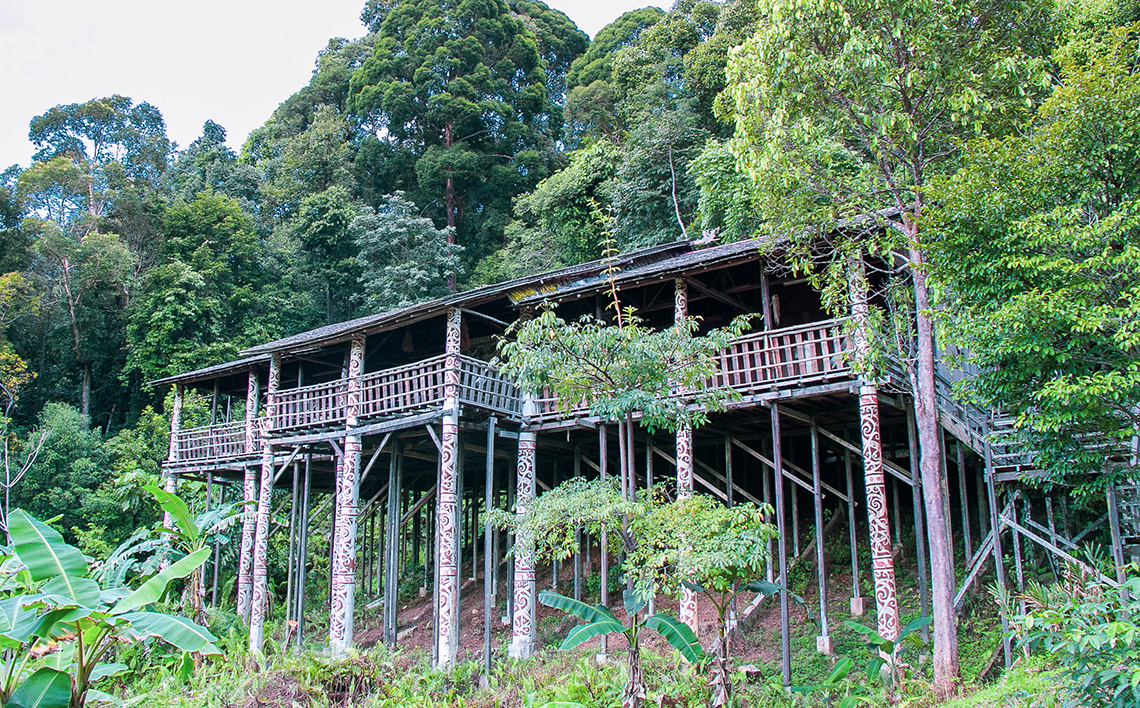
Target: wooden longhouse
x=394, y=431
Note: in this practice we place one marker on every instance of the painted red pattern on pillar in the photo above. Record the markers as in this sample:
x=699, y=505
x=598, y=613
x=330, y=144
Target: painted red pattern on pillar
x=447, y=502
x=882, y=561
x=687, y=609
x=260, y=602
x=249, y=495
x=522, y=624
x=343, y=563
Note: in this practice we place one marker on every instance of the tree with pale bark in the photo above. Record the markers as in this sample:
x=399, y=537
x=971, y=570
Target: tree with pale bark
x=848, y=109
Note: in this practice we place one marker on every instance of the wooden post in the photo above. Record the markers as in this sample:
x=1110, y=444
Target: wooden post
x=342, y=566
x=823, y=643
x=878, y=521
x=447, y=501
x=523, y=608
x=603, y=537
x=919, y=525
x=578, y=533
x=488, y=550
x=303, y=553
x=249, y=496
x=999, y=559
x=965, y=496
x=392, y=545
x=687, y=611
x=170, y=484
x=781, y=526
x=858, y=602
x=260, y=603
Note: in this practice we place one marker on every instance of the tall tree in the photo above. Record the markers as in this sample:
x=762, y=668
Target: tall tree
x=456, y=106
x=84, y=274
x=402, y=257
x=1036, y=252
x=849, y=108
x=321, y=228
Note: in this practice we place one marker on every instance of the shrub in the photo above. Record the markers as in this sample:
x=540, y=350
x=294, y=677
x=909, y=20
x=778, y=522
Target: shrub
x=1092, y=629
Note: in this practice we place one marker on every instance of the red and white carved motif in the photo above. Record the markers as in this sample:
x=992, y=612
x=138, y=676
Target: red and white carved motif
x=343, y=562
x=342, y=568
x=260, y=597
x=878, y=521
x=687, y=610
x=245, y=554
x=249, y=495
x=522, y=622
x=447, y=501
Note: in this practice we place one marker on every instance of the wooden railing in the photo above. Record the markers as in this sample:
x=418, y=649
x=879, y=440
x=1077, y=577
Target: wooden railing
x=403, y=388
x=393, y=392
x=758, y=363
x=315, y=406
x=783, y=358
x=481, y=385
x=208, y=443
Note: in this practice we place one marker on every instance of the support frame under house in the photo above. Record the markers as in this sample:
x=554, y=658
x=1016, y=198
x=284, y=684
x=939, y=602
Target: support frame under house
x=394, y=431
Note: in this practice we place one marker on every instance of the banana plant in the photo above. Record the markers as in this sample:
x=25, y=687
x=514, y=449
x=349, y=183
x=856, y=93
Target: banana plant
x=721, y=589
x=191, y=534
x=58, y=627
x=600, y=620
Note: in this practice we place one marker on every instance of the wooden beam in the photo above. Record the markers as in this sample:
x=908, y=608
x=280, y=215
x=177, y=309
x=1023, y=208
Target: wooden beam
x=717, y=295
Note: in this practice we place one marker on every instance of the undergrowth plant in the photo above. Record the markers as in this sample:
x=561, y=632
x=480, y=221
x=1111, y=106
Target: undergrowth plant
x=1089, y=627
x=59, y=628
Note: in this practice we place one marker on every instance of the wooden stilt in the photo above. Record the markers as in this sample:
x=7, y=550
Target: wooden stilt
x=878, y=524
x=448, y=520
x=522, y=621
x=578, y=532
x=603, y=538
x=963, y=493
x=392, y=545
x=342, y=565
x=260, y=602
x=858, y=603
x=919, y=523
x=823, y=643
x=781, y=525
x=999, y=560
x=488, y=551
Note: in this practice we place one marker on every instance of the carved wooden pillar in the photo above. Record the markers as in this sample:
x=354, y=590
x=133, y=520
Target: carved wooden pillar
x=447, y=501
x=169, y=483
x=260, y=602
x=249, y=495
x=687, y=611
x=172, y=450
x=878, y=521
x=343, y=563
x=522, y=625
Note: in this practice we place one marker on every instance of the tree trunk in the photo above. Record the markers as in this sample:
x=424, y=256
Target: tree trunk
x=85, y=390
x=934, y=485
x=635, y=684
x=450, y=201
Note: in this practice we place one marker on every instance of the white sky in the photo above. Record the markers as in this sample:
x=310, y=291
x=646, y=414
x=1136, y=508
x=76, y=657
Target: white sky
x=230, y=61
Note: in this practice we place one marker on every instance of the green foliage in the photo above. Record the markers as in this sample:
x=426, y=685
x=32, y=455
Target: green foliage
x=68, y=469
x=1093, y=631
x=457, y=92
x=624, y=369
x=322, y=228
x=1035, y=247
x=600, y=620
x=402, y=258
x=57, y=626
x=832, y=121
